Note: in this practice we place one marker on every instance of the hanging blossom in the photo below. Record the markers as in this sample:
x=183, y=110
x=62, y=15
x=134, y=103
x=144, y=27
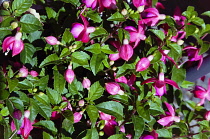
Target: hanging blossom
x=130, y=81
x=178, y=17
x=13, y=43
x=178, y=37
x=69, y=74
x=126, y=50
x=151, y=16
x=202, y=93
x=207, y=115
x=153, y=135
x=193, y=55
x=116, y=56
x=170, y=116
x=139, y=4
x=81, y=32
x=109, y=4
x=26, y=125
x=144, y=63
x=136, y=35
x=160, y=84
x=113, y=88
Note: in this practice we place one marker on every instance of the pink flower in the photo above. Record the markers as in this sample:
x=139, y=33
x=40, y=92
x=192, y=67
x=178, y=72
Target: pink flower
x=153, y=135
x=193, y=55
x=144, y=63
x=139, y=4
x=168, y=120
x=151, y=16
x=160, y=84
x=126, y=51
x=81, y=32
x=113, y=88
x=178, y=17
x=207, y=115
x=26, y=126
x=52, y=40
x=77, y=116
x=136, y=35
x=202, y=93
x=179, y=36
x=163, y=58
x=34, y=73
x=86, y=83
x=69, y=74
x=121, y=79
x=13, y=43
x=23, y=72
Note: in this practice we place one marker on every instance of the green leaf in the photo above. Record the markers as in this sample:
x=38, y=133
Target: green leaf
x=176, y=47
x=122, y=98
x=178, y=75
x=106, y=49
x=116, y=136
x=123, y=34
x=164, y=133
x=34, y=36
x=65, y=52
x=204, y=48
x=92, y=112
x=96, y=63
x=17, y=103
x=98, y=32
x=158, y=33
x=59, y=82
x=29, y=23
x=96, y=91
x=187, y=84
x=67, y=126
x=50, y=13
x=21, y=6
x=155, y=108
x=47, y=136
x=124, y=69
x=91, y=134
x=12, y=84
x=198, y=21
x=67, y=36
x=76, y=3
x=116, y=17
x=49, y=126
x=51, y=59
x=138, y=126
x=93, y=15
x=54, y=96
x=207, y=13
x=42, y=84
x=26, y=56
x=25, y=85
x=4, y=111
x=190, y=30
x=112, y=108
x=80, y=58
x=4, y=94
x=94, y=48
x=42, y=98
x=143, y=111
x=75, y=87
x=68, y=114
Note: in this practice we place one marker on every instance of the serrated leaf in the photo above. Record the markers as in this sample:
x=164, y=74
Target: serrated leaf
x=76, y=3
x=164, y=133
x=138, y=126
x=176, y=47
x=92, y=112
x=26, y=56
x=94, y=16
x=187, y=84
x=143, y=111
x=67, y=36
x=42, y=98
x=34, y=36
x=59, y=82
x=67, y=126
x=68, y=114
x=158, y=33
x=207, y=13
x=190, y=29
x=96, y=63
x=25, y=85
x=122, y=98
x=198, y=21
x=21, y=6
x=96, y=91
x=116, y=17
x=91, y=134
x=94, y=48
x=124, y=69
x=107, y=49
x=12, y=84
x=51, y=59
x=42, y=84
x=47, y=136
x=29, y=23
x=4, y=94
x=44, y=110
x=75, y=87
x=80, y=58
x=98, y=32
x=204, y=48
x=49, y=126
x=50, y=12
x=112, y=108
x=65, y=52
x=17, y=103
x=116, y=136
x=54, y=96
x=178, y=75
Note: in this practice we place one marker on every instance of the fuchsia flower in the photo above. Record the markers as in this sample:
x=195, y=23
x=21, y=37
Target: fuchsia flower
x=23, y=72
x=178, y=17
x=207, y=115
x=178, y=38
x=113, y=88
x=52, y=40
x=125, y=51
x=170, y=118
x=81, y=32
x=26, y=126
x=69, y=74
x=13, y=43
x=114, y=57
x=139, y=4
x=110, y=123
x=144, y=63
x=202, y=93
x=86, y=83
x=77, y=116
x=151, y=16
x=160, y=84
x=153, y=135
x=136, y=35
x=193, y=55
x=34, y=73
x=109, y=4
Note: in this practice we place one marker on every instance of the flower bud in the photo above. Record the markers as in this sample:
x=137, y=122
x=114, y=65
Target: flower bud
x=27, y=114
x=124, y=12
x=77, y=116
x=69, y=74
x=141, y=8
x=52, y=40
x=180, y=42
x=207, y=115
x=112, y=88
x=6, y=4
x=86, y=83
x=23, y=72
x=14, y=25
x=101, y=133
x=126, y=52
x=17, y=114
x=143, y=63
x=114, y=57
x=81, y=103
x=111, y=63
x=114, y=68
x=33, y=73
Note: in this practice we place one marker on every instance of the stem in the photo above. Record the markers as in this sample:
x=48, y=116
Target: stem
x=13, y=134
x=204, y=36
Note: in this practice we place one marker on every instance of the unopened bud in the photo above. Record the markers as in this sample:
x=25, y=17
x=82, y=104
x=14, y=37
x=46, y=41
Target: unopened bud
x=180, y=42
x=207, y=115
x=35, y=90
x=132, y=12
x=114, y=68
x=101, y=127
x=6, y=4
x=14, y=25
x=73, y=50
x=141, y=8
x=75, y=46
x=86, y=83
x=111, y=63
x=70, y=47
x=81, y=103
x=162, y=16
x=124, y=12
x=101, y=133
x=52, y=40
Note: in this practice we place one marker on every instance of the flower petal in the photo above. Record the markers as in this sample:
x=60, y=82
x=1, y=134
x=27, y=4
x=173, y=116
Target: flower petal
x=170, y=108
x=149, y=80
x=6, y=43
x=171, y=82
x=77, y=29
x=18, y=47
x=166, y=120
